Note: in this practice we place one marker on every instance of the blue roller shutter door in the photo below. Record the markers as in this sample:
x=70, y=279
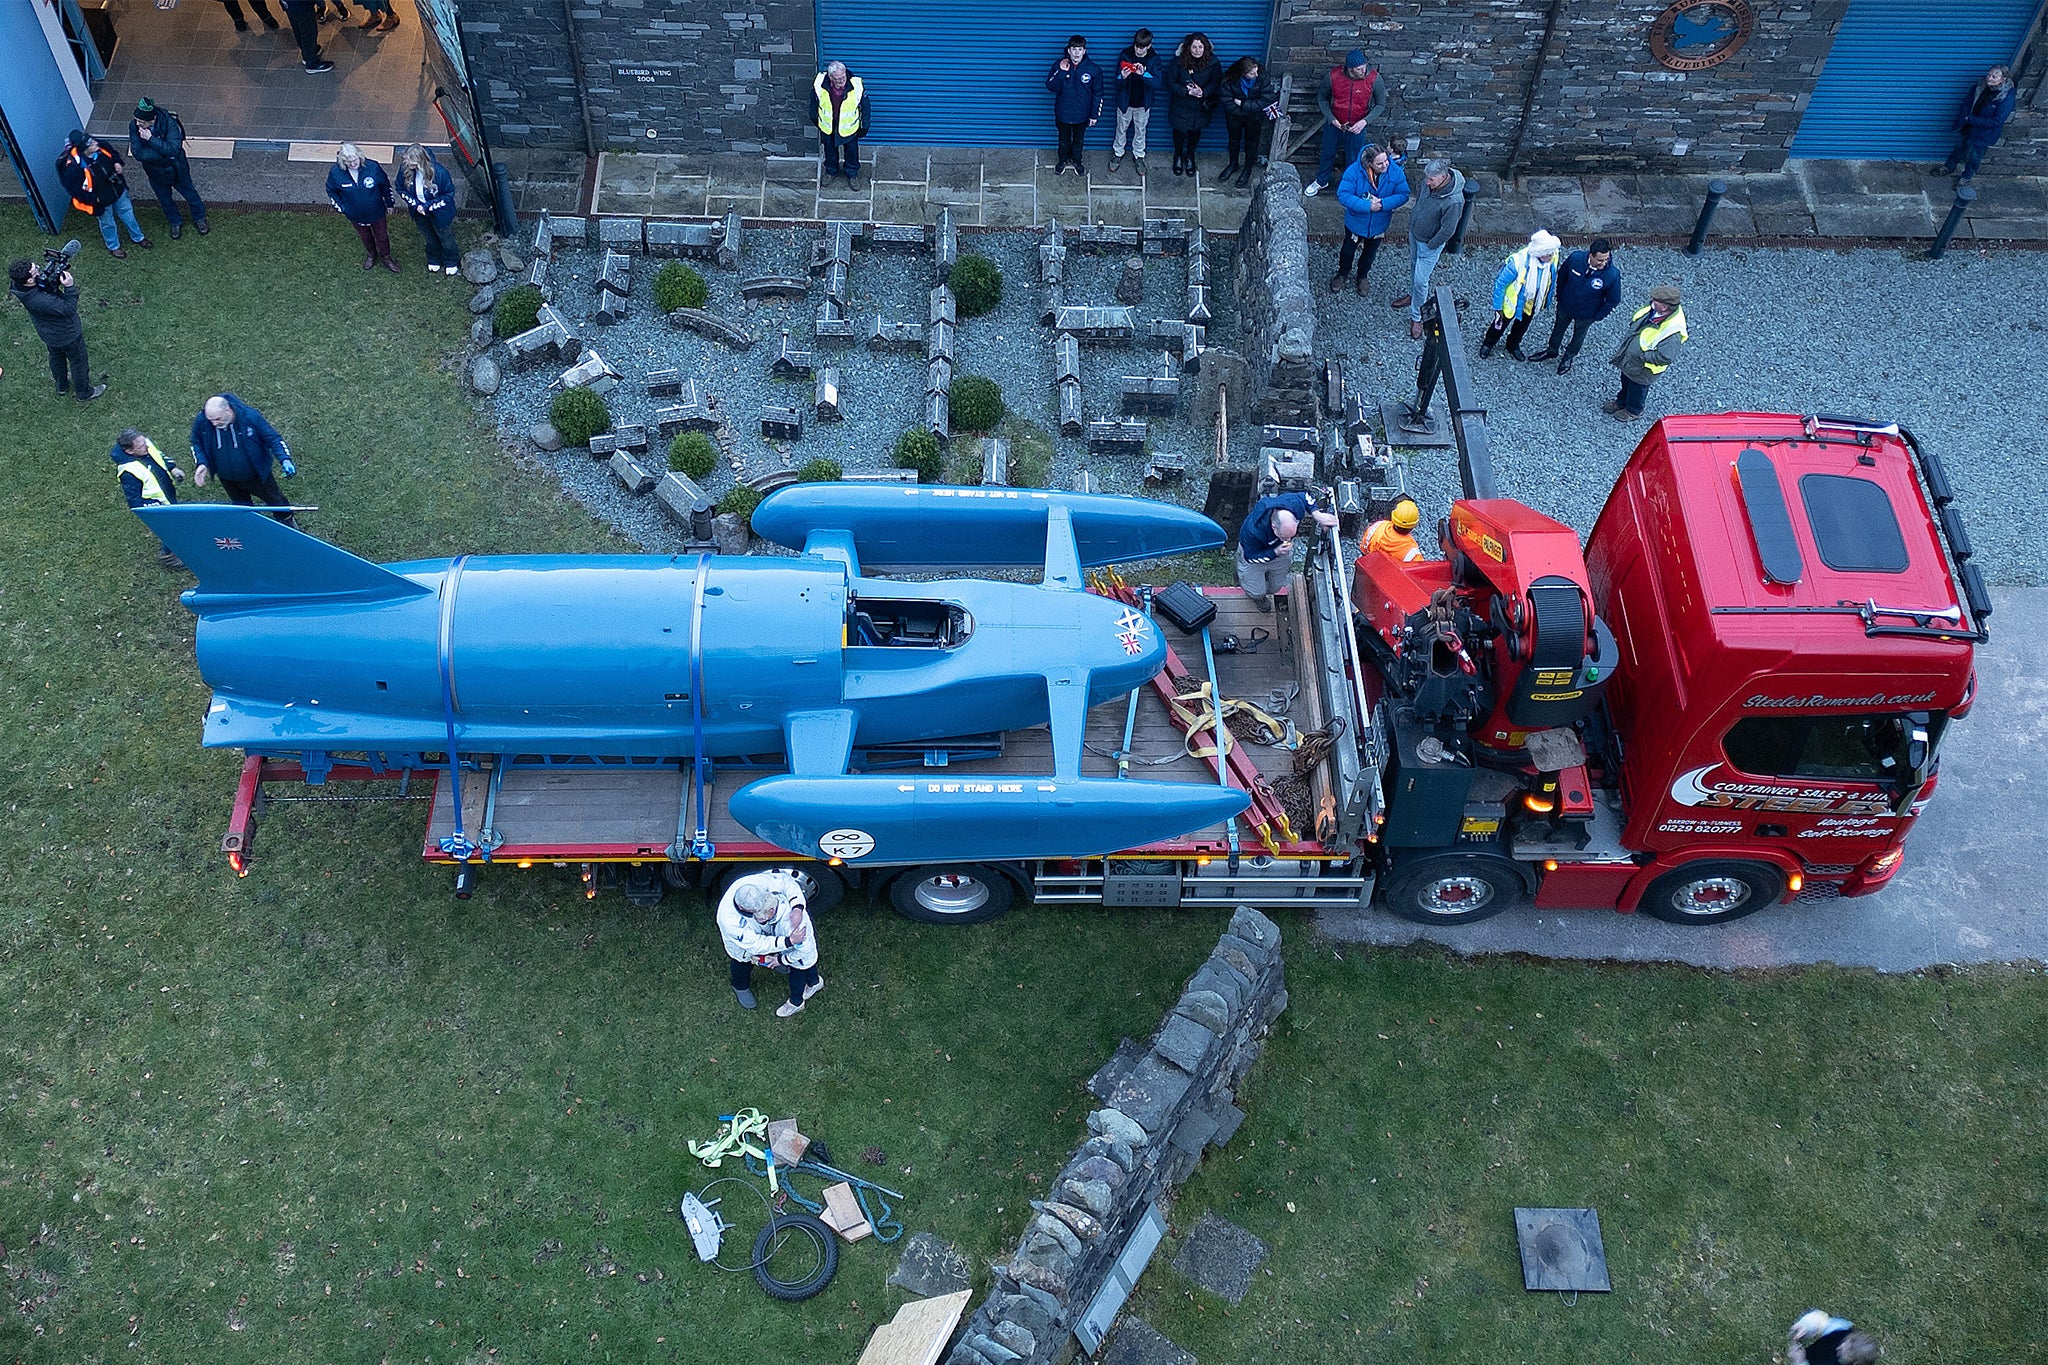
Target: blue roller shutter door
x=1898, y=72
x=971, y=73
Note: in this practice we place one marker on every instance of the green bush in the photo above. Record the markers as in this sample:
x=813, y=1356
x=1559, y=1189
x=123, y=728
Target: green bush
x=918, y=449
x=676, y=285
x=693, y=454
x=518, y=309
x=977, y=285
x=976, y=403
x=741, y=500
x=820, y=470
x=579, y=414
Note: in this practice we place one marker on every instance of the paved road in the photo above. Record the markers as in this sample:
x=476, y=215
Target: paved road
x=1974, y=887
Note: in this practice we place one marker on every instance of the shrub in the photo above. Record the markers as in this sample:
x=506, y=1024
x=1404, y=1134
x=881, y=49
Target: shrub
x=741, y=500
x=820, y=470
x=518, y=309
x=579, y=414
x=918, y=449
x=977, y=285
x=693, y=454
x=676, y=285
x=976, y=403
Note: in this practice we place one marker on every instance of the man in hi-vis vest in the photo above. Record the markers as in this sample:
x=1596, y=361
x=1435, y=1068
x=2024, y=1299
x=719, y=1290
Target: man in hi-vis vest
x=149, y=478
x=840, y=109
x=1655, y=334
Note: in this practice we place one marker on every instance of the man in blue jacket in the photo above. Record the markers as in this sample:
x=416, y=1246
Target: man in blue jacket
x=1981, y=122
x=149, y=478
x=232, y=442
x=1588, y=289
x=156, y=138
x=1077, y=93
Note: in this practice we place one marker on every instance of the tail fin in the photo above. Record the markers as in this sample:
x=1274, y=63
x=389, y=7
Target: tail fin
x=244, y=559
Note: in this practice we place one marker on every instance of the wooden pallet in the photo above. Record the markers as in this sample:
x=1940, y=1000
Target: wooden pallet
x=919, y=1332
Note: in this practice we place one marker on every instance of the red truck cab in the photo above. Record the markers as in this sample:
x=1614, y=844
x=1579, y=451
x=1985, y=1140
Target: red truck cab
x=1796, y=622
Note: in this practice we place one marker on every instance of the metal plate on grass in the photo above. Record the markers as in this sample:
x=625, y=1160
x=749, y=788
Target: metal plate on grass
x=1561, y=1250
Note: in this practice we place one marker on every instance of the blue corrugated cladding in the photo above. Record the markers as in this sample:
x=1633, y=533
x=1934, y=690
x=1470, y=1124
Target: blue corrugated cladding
x=971, y=73
x=1900, y=70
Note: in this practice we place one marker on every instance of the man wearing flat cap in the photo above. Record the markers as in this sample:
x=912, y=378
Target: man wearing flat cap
x=1655, y=335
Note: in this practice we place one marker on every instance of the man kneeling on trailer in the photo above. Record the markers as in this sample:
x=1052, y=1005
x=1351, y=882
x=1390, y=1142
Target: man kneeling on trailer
x=764, y=921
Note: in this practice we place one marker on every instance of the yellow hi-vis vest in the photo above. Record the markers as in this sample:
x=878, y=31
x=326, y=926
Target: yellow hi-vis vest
x=1650, y=338
x=145, y=474
x=1530, y=287
x=849, y=107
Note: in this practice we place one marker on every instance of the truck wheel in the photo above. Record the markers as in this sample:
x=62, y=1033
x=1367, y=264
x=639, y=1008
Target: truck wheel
x=1712, y=893
x=951, y=893
x=1452, y=888
x=823, y=888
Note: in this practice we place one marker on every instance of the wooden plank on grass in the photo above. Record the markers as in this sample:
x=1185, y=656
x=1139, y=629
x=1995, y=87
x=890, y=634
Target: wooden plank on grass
x=918, y=1334
x=842, y=1213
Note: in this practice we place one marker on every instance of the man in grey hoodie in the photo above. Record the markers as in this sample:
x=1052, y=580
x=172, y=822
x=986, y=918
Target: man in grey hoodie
x=1432, y=221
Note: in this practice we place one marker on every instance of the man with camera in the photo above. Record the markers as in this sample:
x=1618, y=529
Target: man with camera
x=50, y=295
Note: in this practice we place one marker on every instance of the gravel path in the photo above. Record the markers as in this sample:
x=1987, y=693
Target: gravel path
x=882, y=393
x=1952, y=349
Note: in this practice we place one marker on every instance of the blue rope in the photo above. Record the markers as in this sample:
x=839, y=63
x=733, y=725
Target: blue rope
x=700, y=841
x=881, y=1222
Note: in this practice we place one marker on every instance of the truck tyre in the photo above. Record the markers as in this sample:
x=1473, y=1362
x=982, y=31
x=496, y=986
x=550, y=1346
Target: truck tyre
x=1712, y=893
x=1452, y=888
x=823, y=887
x=951, y=893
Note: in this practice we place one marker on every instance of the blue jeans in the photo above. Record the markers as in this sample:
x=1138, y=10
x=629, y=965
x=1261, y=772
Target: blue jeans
x=1336, y=140
x=124, y=210
x=180, y=180
x=441, y=247
x=1421, y=265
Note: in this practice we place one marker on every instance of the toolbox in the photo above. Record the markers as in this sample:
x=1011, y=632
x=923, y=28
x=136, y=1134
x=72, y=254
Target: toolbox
x=1185, y=607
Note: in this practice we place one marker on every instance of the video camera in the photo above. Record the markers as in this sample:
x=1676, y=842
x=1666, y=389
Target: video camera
x=56, y=260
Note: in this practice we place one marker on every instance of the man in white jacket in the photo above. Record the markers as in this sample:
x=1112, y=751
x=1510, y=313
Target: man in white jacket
x=765, y=921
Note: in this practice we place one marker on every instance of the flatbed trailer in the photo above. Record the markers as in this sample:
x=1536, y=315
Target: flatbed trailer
x=641, y=824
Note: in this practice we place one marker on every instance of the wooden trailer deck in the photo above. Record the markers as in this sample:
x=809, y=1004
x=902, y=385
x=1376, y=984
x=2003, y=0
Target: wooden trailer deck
x=588, y=812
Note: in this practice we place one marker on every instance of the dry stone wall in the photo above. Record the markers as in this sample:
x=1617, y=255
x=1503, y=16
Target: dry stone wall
x=1166, y=1103
x=1276, y=306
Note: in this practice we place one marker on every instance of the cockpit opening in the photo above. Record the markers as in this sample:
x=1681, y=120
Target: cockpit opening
x=906, y=623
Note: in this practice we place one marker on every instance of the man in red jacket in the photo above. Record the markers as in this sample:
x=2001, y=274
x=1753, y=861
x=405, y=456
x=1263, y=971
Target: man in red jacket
x=1354, y=99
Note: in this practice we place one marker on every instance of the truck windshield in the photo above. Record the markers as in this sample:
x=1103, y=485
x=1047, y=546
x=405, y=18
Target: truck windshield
x=1854, y=748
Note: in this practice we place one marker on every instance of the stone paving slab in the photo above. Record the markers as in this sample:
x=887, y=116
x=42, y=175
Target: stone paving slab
x=1221, y=1257
x=1016, y=187
x=1137, y=1342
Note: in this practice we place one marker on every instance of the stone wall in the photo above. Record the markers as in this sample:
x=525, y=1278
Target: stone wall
x=1168, y=1102
x=1275, y=303
x=729, y=77
x=1460, y=74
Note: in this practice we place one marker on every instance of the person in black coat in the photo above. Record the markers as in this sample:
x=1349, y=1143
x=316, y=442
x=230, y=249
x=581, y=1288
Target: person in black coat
x=1250, y=104
x=361, y=193
x=55, y=315
x=1077, y=93
x=156, y=138
x=233, y=442
x=1194, y=79
x=1588, y=289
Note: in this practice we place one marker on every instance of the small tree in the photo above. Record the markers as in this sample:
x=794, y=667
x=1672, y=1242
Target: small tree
x=741, y=500
x=820, y=470
x=677, y=285
x=518, y=309
x=977, y=284
x=693, y=454
x=579, y=414
x=918, y=449
x=976, y=403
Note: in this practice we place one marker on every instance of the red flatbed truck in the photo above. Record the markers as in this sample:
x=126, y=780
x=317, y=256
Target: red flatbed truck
x=1733, y=696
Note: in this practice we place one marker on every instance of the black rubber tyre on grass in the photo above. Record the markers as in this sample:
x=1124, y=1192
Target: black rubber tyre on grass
x=798, y=1232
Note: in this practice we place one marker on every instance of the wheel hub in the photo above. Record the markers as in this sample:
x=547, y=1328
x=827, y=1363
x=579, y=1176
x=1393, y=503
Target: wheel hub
x=1712, y=896
x=952, y=894
x=1457, y=895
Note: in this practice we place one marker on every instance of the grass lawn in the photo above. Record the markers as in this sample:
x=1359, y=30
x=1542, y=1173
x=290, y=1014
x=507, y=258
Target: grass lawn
x=328, y=1113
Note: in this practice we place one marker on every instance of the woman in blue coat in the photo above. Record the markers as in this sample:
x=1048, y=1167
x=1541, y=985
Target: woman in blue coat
x=1370, y=191
x=361, y=193
x=428, y=193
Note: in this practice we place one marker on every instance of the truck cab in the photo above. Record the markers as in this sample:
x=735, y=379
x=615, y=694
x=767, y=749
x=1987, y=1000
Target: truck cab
x=1796, y=617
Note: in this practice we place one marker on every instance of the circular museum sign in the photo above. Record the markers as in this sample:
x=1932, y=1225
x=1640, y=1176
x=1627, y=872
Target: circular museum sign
x=1693, y=35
